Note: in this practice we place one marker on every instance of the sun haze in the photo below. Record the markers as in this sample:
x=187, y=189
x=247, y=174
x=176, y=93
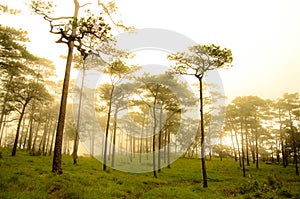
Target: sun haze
x=263, y=36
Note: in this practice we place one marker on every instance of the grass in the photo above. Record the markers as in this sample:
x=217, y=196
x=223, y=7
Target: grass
x=25, y=176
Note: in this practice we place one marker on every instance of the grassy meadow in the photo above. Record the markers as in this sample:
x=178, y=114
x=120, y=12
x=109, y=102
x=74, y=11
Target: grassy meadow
x=25, y=176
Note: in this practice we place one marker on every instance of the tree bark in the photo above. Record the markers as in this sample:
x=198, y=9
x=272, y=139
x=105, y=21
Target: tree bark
x=56, y=165
x=52, y=139
x=233, y=146
x=35, y=137
x=281, y=140
x=107, y=129
x=204, y=174
x=159, y=141
x=243, y=152
x=114, y=140
x=14, y=151
x=76, y=140
x=247, y=146
x=294, y=144
x=153, y=139
x=256, y=146
x=5, y=99
x=169, y=140
x=45, y=148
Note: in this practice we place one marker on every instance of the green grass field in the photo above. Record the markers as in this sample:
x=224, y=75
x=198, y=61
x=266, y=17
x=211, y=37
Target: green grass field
x=26, y=176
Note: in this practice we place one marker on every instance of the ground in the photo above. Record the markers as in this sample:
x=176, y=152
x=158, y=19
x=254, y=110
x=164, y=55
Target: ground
x=26, y=176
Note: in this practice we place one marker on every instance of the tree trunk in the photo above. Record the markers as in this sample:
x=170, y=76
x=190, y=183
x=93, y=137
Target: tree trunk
x=247, y=146
x=169, y=140
x=107, y=129
x=52, y=139
x=153, y=139
x=238, y=147
x=2, y=131
x=22, y=132
x=205, y=184
x=159, y=141
x=114, y=139
x=5, y=99
x=45, y=136
x=14, y=151
x=45, y=148
x=29, y=144
x=56, y=166
x=165, y=145
x=76, y=140
x=141, y=141
x=35, y=137
x=233, y=146
x=243, y=152
x=147, y=149
x=294, y=143
x=281, y=140
x=256, y=147
x=252, y=148
x=26, y=134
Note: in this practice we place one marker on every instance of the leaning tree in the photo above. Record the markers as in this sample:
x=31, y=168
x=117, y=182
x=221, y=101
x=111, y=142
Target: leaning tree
x=77, y=33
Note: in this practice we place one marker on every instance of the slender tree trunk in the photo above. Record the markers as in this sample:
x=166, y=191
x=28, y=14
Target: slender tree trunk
x=277, y=150
x=35, y=137
x=147, y=149
x=286, y=156
x=238, y=147
x=22, y=132
x=3, y=109
x=14, y=151
x=141, y=141
x=43, y=139
x=56, y=165
x=2, y=117
x=114, y=139
x=205, y=184
x=47, y=133
x=256, y=146
x=165, y=145
x=169, y=140
x=243, y=152
x=45, y=148
x=76, y=140
x=153, y=139
x=29, y=144
x=294, y=143
x=159, y=141
x=247, y=146
x=107, y=129
x=26, y=134
x=233, y=146
x=252, y=148
x=281, y=140
x=52, y=140
x=2, y=131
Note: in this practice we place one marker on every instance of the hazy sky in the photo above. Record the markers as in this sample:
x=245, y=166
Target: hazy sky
x=264, y=37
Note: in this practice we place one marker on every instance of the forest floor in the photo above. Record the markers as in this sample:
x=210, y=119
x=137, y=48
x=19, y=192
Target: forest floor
x=25, y=176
